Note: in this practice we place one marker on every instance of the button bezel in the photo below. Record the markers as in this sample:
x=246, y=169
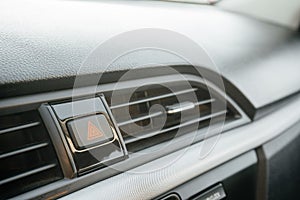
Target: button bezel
x=86, y=159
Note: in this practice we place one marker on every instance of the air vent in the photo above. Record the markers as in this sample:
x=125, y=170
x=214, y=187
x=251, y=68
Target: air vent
x=27, y=157
x=184, y=108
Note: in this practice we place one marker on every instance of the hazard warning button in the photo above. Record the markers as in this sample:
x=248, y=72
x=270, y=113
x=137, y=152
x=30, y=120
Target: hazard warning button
x=90, y=131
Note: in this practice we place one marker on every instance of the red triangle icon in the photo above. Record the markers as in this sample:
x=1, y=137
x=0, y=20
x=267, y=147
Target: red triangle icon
x=93, y=132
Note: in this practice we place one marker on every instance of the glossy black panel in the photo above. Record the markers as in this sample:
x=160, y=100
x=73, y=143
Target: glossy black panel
x=81, y=120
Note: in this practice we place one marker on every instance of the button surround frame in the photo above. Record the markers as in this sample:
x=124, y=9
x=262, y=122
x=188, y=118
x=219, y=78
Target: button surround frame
x=116, y=143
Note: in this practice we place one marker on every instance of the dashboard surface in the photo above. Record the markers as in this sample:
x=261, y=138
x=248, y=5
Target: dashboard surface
x=44, y=45
x=46, y=42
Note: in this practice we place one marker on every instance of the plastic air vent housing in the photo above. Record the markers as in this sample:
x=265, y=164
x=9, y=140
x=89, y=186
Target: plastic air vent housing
x=27, y=157
x=28, y=161
x=184, y=108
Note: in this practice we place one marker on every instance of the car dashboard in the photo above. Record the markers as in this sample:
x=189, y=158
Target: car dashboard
x=146, y=100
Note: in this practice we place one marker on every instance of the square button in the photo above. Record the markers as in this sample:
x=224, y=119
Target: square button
x=90, y=131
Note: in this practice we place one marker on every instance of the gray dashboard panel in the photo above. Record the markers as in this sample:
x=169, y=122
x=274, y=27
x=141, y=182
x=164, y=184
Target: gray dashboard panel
x=159, y=176
x=44, y=43
x=187, y=166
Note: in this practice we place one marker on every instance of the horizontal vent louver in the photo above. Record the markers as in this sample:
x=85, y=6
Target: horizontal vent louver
x=27, y=157
x=143, y=98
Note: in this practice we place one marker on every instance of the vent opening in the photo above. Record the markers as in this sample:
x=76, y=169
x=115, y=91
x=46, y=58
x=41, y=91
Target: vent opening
x=143, y=127
x=27, y=157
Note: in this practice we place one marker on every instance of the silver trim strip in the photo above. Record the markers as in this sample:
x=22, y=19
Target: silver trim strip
x=16, y=128
x=150, y=134
x=23, y=150
x=154, y=98
x=28, y=173
x=140, y=118
x=180, y=107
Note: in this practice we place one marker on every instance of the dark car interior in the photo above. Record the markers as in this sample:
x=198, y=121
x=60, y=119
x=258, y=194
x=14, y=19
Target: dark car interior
x=145, y=99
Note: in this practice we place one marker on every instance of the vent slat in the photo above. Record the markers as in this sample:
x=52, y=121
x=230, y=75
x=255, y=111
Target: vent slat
x=179, y=111
x=180, y=107
x=140, y=118
x=140, y=136
x=28, y=173
x=23, y=150
x=27, y=157
x=199, y=103
x=17, y=128
x=153, y=98
x=177, y=108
